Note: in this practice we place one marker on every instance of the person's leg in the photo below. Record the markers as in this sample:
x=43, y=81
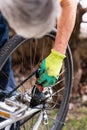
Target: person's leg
x=7, y=82
x=11, y=81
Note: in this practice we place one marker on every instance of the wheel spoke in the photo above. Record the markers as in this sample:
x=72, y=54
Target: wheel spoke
x=60, y=81
x=58, y=91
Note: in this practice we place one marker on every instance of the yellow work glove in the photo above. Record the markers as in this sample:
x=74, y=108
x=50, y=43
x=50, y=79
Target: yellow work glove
x=50, y=68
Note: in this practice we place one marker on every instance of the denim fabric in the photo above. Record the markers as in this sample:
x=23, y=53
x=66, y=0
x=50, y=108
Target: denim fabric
x=3, y=30
x=7, y=82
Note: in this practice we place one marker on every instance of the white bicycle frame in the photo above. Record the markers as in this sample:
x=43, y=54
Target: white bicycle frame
x=8, y=122
x=19, y=111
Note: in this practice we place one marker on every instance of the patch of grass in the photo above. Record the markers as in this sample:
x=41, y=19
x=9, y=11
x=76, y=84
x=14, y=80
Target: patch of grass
x=77, y=121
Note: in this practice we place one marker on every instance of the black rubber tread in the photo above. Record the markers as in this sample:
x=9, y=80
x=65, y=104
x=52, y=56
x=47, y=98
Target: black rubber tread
x=60, y=119
x=67, y=92
x=9, y=47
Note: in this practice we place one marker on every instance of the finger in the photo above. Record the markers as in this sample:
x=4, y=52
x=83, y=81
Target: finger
x=50, y=81
x=42, y=78
x=43, y=67
x=46, y=84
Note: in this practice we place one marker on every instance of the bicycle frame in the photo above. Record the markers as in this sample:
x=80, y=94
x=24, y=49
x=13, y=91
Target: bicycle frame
x=23, y=111
x=7, y=123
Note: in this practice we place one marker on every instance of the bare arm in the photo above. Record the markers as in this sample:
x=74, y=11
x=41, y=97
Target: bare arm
x=65, y=25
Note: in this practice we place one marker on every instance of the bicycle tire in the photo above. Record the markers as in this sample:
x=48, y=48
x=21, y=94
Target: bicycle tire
x=14, y=43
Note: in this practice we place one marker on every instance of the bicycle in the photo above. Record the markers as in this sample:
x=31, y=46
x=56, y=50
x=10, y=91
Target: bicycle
x=57, y=96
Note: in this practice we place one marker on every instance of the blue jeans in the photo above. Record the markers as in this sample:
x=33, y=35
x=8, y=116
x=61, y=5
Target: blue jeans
x=7, y=83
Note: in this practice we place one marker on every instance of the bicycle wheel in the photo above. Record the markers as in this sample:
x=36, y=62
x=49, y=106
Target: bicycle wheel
x=26, y=58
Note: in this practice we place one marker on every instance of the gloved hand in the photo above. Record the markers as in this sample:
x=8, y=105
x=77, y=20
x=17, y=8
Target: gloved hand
x=50, y=68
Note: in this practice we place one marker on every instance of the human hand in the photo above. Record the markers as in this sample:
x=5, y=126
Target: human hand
x=50, y=68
